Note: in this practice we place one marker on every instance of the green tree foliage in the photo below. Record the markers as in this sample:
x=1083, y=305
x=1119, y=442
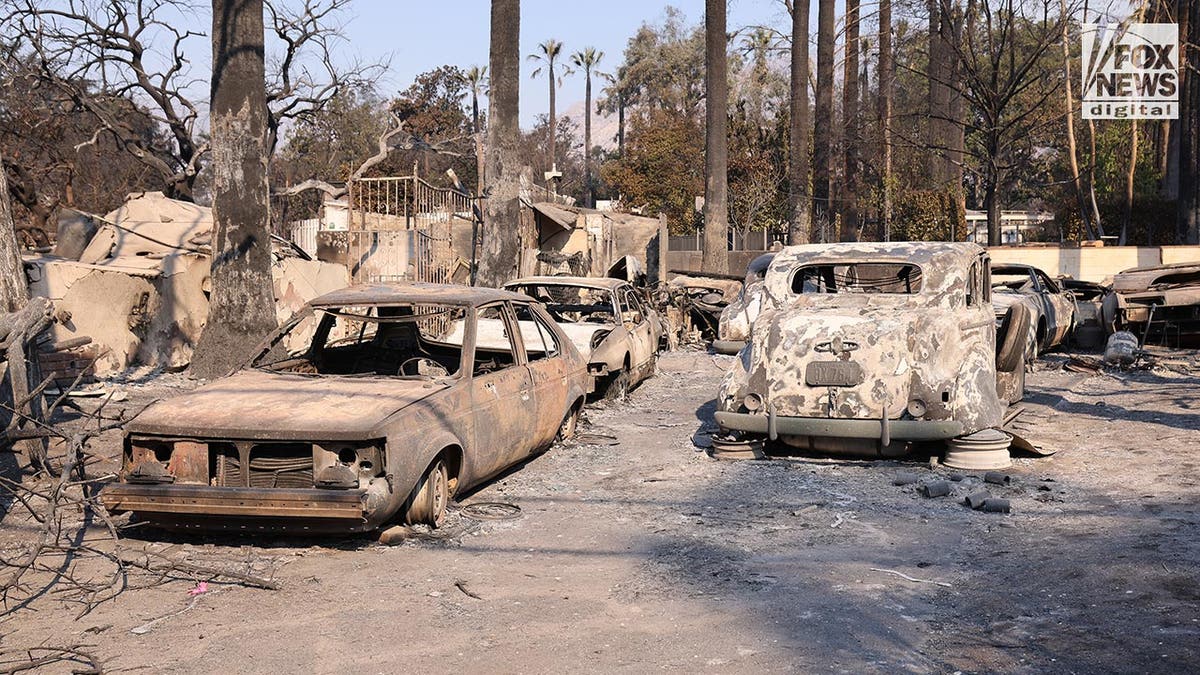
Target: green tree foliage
x=662, y=169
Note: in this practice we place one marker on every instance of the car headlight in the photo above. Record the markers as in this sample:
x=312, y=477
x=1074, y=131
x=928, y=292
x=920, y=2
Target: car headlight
x=598, y=337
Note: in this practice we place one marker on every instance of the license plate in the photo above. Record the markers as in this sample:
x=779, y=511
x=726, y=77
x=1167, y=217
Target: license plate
x=833, y=374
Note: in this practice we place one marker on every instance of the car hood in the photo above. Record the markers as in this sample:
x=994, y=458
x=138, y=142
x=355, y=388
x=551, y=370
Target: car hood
x=581, y=334
x=284, y=406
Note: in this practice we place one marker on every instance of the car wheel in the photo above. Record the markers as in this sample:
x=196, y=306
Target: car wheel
x=570, y=424
x=428, y=505
x=618, y=386
x=1012, y=339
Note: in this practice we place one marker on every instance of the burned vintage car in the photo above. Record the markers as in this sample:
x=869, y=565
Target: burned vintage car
x=615, y=331
x=697, y=301
x=1052, y=308
x=866, y=348
x=738, y=316
x=1160, y=305
x=374, y=403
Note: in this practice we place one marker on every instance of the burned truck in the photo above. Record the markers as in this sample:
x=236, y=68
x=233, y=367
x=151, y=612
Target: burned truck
x=374, y=403
x=865, y=348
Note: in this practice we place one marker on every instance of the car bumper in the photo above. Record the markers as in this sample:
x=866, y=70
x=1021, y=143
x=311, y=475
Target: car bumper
x=728, y=346
x=774, y=426
x=221, y=508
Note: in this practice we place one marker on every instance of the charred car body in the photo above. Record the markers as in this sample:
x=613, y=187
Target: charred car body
x=374, y=402
x=738, y=316
x=866, y=348
x=1051, y=307
x=1160, y=305
x=615, y=331
x=699, y=300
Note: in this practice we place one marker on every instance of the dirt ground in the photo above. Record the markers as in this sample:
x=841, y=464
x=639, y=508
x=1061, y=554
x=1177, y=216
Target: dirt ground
x=648, y=555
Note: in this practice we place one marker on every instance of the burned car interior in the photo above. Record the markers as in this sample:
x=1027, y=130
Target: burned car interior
x=409, y=341
x=864, y=277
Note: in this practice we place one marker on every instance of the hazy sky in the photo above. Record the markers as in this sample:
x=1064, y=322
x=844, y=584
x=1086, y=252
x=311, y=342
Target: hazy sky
x=421, y=35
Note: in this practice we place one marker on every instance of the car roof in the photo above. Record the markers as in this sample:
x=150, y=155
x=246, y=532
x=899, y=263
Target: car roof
x=399, y=293
x=1015, y=266
x=605, y=283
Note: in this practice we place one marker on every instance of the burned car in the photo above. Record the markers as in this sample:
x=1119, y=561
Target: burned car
x=867, y=348
x=1160, y=305
x=700, y=299
x=1052, y=307
x=373, y=403
x=615, y=331
x=733, y=331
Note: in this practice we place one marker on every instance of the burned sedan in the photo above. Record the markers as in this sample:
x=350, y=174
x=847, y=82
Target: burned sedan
x=615, y=331
x=1052, y=307
x=866, y=348
x=374, y=403
x=738, y=316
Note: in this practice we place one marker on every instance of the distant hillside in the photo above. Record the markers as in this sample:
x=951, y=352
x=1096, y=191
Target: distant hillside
x=604, y=128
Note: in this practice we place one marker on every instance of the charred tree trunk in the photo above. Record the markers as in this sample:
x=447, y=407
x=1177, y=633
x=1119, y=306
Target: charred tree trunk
x=241, y=308
x=823, y=122
x=886, y=83
x=14, y=292
x=501, y=234
x=1130, y=173
x=1072, y=152
x=716, y=155
x=850, y=124
x=1189, y=123
x=477, y=136
x=800, y=225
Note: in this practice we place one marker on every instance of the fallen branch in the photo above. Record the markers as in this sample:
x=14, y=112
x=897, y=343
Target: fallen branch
x=904, y=576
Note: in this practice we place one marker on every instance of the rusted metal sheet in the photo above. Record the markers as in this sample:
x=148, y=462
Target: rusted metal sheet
x=342, y=428
x=896, y=341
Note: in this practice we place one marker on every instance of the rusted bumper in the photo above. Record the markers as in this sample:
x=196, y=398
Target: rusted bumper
x=728, y=346
x=822, y=427
x=186, y=502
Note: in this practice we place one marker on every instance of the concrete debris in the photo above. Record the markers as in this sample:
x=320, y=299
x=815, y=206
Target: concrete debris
x=139, y=289
x=997, y=478
x=939, y=488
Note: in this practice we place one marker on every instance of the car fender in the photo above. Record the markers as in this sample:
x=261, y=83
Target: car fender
x=412, y=447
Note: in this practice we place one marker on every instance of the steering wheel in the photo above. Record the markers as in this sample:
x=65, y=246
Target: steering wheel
x=421, y=365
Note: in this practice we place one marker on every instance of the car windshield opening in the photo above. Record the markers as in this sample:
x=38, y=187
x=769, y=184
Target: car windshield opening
x=572, y=304
x=415, y=341
x=865, y=277
x=1013, y=279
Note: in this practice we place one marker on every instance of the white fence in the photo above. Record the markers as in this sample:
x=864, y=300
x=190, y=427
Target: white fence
x=304, y=234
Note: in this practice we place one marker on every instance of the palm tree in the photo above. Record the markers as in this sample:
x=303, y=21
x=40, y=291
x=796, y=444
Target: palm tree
x=587, y=60
x=548, y=54
x=798, y=132
x=501, y=244
x=476, y=77
x=614, y=100
x=716, y=149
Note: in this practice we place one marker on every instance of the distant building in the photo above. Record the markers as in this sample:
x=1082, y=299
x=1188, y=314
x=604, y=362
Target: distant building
x=1016, y=227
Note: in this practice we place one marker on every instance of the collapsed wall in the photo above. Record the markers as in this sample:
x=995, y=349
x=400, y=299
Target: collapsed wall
x=140, y=288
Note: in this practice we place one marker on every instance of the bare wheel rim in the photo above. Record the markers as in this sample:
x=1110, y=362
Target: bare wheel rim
x=439, y=494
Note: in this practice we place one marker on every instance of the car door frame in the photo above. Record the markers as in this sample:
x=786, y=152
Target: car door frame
x=488, y=399
x=642, y=345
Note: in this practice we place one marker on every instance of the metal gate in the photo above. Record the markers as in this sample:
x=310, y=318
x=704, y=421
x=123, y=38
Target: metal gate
x=401, y=229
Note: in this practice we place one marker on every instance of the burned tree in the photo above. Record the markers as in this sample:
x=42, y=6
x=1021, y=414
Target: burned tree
x=100, y=56
x=799, y=129
x=242, y=305
x=823, y=121
x=716, y=151
x=502, y=168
